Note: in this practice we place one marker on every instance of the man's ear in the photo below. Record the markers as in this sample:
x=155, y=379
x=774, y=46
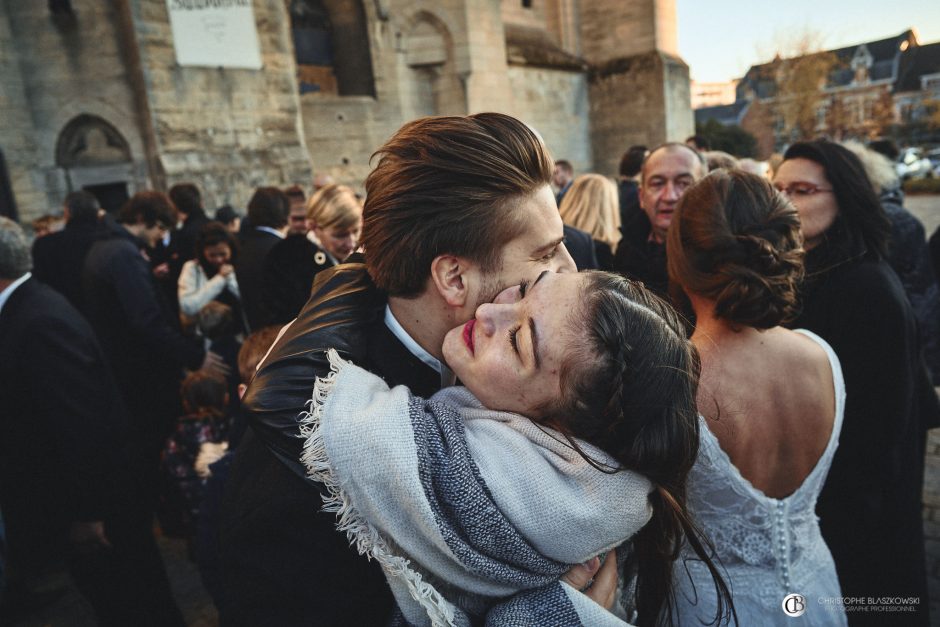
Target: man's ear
x=449, y=275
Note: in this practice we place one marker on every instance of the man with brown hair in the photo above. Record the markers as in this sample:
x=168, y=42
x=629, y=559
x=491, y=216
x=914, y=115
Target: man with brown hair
x=457, y=209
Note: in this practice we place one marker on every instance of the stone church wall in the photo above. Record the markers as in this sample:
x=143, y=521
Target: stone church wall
x=227, y=130
x=66, y=68
x=555, y=102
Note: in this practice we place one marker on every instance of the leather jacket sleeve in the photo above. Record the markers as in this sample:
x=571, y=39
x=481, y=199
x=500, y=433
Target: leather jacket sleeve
x=343, y=304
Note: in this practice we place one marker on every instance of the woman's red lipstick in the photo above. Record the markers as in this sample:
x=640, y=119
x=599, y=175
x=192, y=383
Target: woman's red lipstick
x=468, y=334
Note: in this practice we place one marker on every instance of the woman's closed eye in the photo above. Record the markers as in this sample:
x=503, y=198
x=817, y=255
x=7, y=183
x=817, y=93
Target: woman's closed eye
x=523, y=286
x=512, y=338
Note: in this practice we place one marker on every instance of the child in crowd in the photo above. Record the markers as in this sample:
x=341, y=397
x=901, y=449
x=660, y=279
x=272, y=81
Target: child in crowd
x=216, y=323
x=205, y=403
x=213, y=464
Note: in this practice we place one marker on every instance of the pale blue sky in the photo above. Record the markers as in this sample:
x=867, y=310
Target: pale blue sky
x=720, y=39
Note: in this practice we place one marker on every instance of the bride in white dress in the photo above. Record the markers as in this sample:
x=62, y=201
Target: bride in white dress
x=771, y=402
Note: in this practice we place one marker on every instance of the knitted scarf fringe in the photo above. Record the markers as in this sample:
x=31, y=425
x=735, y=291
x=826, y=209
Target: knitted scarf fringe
x=360, y=533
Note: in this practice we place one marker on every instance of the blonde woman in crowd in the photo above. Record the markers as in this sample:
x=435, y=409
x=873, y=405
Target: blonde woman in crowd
x=592, y=205
x=334, y=223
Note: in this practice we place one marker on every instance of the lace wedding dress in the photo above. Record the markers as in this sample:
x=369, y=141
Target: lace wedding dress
x=769, y=548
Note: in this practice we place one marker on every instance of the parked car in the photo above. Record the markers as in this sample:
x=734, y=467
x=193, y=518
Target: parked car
x=912, y=164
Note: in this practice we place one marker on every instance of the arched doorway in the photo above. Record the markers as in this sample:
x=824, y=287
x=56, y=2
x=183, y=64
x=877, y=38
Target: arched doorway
x=95, y=157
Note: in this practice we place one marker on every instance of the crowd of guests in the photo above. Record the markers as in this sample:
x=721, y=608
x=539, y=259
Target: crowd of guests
x=744, y=418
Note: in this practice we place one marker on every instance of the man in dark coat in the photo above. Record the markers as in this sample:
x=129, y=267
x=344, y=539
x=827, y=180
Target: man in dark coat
x=668, y=171
x=283, y=561
x=628, y=188
x=188, y=202
x=267, y=215
x=66, y=485
x=58, y=257
x=581, y=247
x=137, y=331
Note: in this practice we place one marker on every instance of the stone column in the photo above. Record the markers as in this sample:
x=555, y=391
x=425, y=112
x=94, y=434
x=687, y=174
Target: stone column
x=639, y=87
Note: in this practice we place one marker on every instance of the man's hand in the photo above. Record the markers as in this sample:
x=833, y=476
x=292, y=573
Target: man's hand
x=598, y=582
x=214, y=364
x=161, y=271
x=88, y=537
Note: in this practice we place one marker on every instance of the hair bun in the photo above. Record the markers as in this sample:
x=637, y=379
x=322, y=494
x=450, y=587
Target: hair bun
x=762, y=283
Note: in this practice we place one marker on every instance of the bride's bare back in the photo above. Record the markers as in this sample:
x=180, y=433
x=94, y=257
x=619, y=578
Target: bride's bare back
x=769, y=399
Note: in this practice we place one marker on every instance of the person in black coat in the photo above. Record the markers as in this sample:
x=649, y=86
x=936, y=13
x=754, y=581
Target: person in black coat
x=870, y=508
x=283, y=562
x=334, y=221
x=137, y=331
x=267, y=215
x=67, y=475
x=581, y=247
x=628, y=188
x=58, y=257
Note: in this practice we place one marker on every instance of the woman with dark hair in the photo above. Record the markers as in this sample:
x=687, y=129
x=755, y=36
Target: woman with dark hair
x=573, y=435
x=771, y=402
x=211, y=275
x=870, y=506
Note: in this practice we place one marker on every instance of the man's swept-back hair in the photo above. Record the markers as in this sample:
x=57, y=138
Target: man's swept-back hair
x=448, y=185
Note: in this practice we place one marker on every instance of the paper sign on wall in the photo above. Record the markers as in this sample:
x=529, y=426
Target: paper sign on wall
x=215, y=33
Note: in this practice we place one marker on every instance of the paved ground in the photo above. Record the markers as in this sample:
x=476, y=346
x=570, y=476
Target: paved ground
x=63, y=606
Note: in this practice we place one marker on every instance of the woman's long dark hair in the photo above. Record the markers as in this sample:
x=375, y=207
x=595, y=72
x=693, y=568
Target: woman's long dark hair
x=861, y=228
x=636, y=400
x=210, y=234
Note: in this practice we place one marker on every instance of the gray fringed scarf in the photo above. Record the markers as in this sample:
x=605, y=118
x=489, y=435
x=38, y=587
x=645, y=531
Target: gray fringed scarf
x=469, y=511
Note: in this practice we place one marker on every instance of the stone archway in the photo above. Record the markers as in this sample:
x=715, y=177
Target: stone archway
x=95, y=157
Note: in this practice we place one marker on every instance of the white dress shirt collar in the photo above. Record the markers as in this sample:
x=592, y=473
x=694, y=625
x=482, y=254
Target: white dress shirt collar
x=5, y=294
x=447, y=375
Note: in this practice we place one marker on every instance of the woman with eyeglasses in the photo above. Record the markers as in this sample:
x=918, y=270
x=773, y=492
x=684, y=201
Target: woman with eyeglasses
x=870, y=506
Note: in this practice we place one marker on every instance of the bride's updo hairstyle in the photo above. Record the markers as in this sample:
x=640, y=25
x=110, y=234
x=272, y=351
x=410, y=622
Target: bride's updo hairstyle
x=629, y=388
x=736, y=241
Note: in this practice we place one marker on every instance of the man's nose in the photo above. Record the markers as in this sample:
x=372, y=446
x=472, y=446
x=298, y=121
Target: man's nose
x=672, y=191
x=563, y=262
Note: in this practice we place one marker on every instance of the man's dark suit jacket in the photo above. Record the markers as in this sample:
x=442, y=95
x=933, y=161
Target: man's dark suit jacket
x=61, y=423
x=249, y=268
x=283, y=561
x=137, y=331
x=58, y=258
x=640, y=258
x=581, y=247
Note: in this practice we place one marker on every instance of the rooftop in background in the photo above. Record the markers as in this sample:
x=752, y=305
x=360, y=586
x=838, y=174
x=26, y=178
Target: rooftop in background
x=720, y=39
x=883, y=58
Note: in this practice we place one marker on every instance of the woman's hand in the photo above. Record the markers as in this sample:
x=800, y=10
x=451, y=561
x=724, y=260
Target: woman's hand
x=598, y=582
x=226, y=269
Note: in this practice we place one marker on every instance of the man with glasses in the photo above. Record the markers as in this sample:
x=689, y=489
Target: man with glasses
x=667, y=172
